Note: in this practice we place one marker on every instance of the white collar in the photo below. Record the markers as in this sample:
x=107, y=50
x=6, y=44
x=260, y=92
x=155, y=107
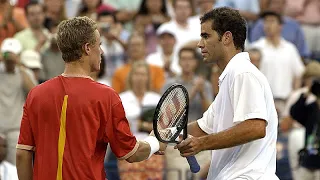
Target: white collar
x=239, y=56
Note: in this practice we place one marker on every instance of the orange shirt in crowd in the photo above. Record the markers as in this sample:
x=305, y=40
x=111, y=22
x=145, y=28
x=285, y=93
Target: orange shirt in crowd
x=119, y=80
x=68, y=122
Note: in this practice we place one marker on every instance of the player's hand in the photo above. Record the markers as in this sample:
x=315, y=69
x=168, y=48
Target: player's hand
x=190, y=146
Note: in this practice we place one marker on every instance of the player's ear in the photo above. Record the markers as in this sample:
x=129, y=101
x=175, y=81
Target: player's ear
x=86, y=48
x=227, y=38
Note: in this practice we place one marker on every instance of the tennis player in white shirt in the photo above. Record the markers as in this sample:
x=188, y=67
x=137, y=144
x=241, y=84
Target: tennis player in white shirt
x=240, y=126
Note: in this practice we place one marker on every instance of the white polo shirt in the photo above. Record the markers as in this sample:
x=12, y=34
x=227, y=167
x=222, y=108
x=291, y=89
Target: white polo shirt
x=244, y=94
x=281, y=65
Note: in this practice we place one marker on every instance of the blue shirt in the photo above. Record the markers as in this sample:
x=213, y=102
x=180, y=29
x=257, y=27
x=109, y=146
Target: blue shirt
x=243, y=5
x=291, y=31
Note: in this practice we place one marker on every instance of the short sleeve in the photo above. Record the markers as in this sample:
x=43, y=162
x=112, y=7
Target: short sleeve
x=206, y=122
x=122, y=142
x=247, y=98
x=26, y=138
x=297, y=64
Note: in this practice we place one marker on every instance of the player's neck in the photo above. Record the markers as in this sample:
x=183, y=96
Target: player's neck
x=228, y=56
x=76, y=69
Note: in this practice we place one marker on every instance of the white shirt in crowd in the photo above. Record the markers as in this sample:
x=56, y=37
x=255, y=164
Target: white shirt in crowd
x=133, y=109
x=183, y=36
x=281, y=65
x=8, y=171
x=244, y=94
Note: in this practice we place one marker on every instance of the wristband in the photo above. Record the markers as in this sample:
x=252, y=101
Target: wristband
x=154, y=144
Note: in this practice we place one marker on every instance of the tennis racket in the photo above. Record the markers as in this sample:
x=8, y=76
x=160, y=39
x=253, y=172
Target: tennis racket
x=171, y=117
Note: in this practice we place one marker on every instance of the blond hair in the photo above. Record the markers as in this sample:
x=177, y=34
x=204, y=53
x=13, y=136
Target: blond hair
x=134, y=67
x=73, y=34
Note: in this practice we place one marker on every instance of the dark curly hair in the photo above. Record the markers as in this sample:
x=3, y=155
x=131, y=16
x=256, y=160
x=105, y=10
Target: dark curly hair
x=227, y=19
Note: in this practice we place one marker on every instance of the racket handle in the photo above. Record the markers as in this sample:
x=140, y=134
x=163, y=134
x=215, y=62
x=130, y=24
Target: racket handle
x=193, y=163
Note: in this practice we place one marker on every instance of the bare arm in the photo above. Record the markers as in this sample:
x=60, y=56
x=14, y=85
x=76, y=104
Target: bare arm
x=24, y=164
x=28, y=84
x=241, y=133
x=143, y=152
x=194, y=130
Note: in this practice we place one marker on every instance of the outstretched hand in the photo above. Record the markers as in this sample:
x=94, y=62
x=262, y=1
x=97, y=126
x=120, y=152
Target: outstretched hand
x=163, y=146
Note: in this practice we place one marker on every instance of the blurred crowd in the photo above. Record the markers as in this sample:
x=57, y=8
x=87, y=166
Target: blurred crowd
x=149, y=45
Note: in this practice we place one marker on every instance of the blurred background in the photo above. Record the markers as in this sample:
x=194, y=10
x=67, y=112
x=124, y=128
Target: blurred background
x=149, y=45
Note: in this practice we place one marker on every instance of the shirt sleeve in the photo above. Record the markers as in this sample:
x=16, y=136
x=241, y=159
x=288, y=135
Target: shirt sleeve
x=26, y=139
x=122, y=142
x=247, y=98
x=206, y=122
x=297, y=64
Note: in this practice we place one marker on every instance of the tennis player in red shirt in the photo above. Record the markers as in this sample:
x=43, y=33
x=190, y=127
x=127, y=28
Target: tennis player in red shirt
x=69, y=120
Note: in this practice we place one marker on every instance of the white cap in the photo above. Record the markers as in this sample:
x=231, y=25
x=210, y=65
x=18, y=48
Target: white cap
x=11, y=45
x=31, y=59
x=165, y=29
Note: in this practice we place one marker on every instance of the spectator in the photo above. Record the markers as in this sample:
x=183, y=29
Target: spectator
x=280, y=62
x=35, y=37
x=288, y=124
x=53, y=64
x=151, y=15
x=16, y=82
x=55, y=11
x=137, y=97
x=126, y=11
x=111, y=42
x=308, y=114
x=200, y=97
x=185, y=32
x=136, y=52
x=165, y=55
x=255, y=56
x=249, y=9
x=12, y=20
x=291, y=30
x=307, y=13
x=91, y=8
x=7, y=170
x=31, y=59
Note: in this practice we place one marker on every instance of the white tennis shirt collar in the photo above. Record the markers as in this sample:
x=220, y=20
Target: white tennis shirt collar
x=233, y=62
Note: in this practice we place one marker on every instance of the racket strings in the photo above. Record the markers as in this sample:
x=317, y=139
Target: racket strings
x=172, y=111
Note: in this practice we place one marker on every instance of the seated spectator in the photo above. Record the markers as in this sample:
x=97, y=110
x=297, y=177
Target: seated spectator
x=16, y=82
x=165, y=55
x=151, y=15
x=7, y=170
x=55, y=11
x=36, y=37
x=112, y=42
x=184, y=30
x=296, y=137
x=91, y=8
x=249, y=9
x=200, y=97
x=126, y=11
x=31, y=59
x=308, y=114
x=12, y=20
x=291, y=30
x=280, y=63
x=137, y=97
x=52, y=62
x=136, y=52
